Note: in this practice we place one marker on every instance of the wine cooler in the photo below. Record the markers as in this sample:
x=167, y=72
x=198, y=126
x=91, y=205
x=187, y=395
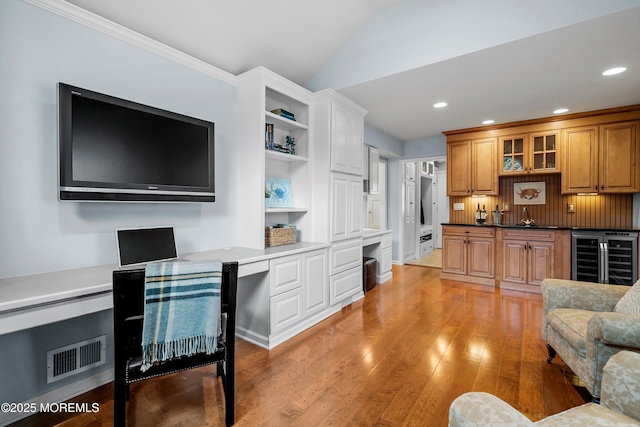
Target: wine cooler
x=604, y=257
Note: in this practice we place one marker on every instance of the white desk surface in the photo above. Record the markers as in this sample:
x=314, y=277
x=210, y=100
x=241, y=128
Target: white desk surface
x=27, y=294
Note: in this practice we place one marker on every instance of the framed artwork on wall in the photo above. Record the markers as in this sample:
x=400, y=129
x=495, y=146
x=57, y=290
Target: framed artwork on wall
x=529, y=193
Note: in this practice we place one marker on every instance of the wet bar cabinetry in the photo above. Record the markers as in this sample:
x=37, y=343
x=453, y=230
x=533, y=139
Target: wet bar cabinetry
x=468, y=254
x=475, y=170
x=595, y=152
x=529, y=153
x=602, y=159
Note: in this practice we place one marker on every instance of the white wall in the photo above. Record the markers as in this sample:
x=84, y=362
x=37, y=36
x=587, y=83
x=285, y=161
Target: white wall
x=40, y=234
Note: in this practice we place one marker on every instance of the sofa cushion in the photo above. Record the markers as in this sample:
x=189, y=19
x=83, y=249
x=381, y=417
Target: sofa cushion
x=630, y=302
x=571, y=324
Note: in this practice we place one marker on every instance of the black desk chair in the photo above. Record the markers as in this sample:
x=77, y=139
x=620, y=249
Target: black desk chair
x=128, y=314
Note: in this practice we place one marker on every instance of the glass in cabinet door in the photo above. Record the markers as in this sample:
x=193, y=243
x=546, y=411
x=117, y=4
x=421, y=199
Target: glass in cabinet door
x=513, y=154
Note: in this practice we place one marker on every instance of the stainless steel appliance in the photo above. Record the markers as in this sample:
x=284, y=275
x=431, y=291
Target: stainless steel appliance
x=604, y=256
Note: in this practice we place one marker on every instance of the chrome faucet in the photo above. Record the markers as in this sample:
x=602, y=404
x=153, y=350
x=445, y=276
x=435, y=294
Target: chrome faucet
x=526, y=221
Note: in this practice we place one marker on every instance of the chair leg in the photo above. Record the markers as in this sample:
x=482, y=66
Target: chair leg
x=121, y=395
x=552, y=353
x=228, y=383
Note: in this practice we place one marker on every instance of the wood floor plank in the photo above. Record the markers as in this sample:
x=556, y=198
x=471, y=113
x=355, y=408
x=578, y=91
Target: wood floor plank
x=398, y=357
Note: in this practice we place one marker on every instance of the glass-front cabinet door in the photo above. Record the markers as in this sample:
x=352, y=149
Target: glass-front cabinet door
x=529, y=153
x=513, y=154
x=545, y=158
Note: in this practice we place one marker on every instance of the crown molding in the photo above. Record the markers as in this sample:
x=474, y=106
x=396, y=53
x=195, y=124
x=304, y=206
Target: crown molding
x=91, y=20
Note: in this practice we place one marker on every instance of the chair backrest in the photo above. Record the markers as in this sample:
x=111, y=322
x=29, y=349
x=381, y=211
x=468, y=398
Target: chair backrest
x=128, y=308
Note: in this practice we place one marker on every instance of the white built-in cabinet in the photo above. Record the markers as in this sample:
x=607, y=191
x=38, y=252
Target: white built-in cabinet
x=347, y=140
x=346, y=207
x=259, y=92
x=338, y=134
x=298, y=289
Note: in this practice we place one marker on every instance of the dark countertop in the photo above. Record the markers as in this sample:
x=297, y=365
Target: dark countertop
x=548, y=227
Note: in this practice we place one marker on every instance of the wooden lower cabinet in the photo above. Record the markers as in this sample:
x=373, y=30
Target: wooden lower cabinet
x=468, y=254
x=528, y=257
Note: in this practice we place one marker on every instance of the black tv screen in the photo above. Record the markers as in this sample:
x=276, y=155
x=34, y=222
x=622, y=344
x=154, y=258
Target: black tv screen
x=119, y=150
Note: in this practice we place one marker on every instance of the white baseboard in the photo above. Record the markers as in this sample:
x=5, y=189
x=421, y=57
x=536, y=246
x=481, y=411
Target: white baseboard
x=59, y=395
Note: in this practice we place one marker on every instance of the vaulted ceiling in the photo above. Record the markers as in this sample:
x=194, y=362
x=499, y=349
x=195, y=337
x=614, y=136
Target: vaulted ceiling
x=488, y=59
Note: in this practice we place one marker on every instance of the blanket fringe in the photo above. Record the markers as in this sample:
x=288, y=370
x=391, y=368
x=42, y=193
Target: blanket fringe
x=164, y=351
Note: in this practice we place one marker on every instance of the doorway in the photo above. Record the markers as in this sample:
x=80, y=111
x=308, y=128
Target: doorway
x=424, y=206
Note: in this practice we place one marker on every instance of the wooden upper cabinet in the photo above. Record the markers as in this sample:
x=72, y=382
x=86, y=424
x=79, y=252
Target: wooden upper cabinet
x=484, y=168
x=619, y=158
x=602, y=159
x=529, y=153
x=459, y=168
x=580, y=165
x=472, y=168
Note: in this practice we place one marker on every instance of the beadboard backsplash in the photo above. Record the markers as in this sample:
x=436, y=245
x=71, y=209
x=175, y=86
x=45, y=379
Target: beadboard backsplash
x=604, y=210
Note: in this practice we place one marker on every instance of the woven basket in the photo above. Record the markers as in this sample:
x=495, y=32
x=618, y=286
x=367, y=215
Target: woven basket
x=279, y=236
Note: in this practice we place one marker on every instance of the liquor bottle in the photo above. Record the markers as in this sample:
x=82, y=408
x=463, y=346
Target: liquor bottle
x=478, y=220
x=483, y=215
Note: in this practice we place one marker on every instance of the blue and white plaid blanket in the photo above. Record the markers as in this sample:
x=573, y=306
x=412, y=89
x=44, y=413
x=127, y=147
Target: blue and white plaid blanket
x=181, y=310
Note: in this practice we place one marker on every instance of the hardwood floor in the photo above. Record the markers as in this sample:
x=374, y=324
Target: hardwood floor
x=396, y=358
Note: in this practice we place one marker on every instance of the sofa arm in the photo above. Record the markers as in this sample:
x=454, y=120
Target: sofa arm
x=615, y=329
x=620, y=381
x=476, y=409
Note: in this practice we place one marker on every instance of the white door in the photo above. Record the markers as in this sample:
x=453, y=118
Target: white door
x=410, y=239
x=340, y=207
x=377, y=208
x=441, y=207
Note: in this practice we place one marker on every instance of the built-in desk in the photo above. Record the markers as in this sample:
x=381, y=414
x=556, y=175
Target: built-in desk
x=35, y=300
x=377, y=244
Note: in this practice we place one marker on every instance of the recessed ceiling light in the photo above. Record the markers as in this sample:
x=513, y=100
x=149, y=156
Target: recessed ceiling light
x=613, y=71
x=560, y=110
x=488, y=122
x=440, y=104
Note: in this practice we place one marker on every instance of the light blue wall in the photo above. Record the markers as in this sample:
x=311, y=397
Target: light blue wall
x=40, y=234
x=426, y=147
x=389, y=146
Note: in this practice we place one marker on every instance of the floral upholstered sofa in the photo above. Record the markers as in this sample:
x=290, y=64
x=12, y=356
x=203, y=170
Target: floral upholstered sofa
x=587, y=323
x=619, y=406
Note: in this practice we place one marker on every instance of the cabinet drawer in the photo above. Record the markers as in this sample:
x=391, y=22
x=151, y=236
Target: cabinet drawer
x=285, y=310
x=386, y=240
x=538, y=235
x=473, y=230
x=346, y=255
x=285, y=274
x=345, y=284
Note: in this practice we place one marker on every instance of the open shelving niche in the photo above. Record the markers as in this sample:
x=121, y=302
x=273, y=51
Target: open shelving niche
x=293, y=167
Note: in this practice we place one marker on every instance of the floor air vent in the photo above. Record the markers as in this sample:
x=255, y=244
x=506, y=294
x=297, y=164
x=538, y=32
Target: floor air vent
x=75, y=358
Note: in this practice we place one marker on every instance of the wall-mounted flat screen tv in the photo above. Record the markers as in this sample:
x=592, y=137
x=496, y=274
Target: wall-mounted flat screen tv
x=111, y=149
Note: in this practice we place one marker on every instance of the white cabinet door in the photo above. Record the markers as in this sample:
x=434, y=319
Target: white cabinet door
x=339, y=207
x=384, y=265
x=356, y=144
x=355, y=212
x=285, y=274
x=345, y=284
x=315, y=291
x=346, y=206
x=345, y=256
x=285, y=310
x=347, y=141
x=340, y=150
